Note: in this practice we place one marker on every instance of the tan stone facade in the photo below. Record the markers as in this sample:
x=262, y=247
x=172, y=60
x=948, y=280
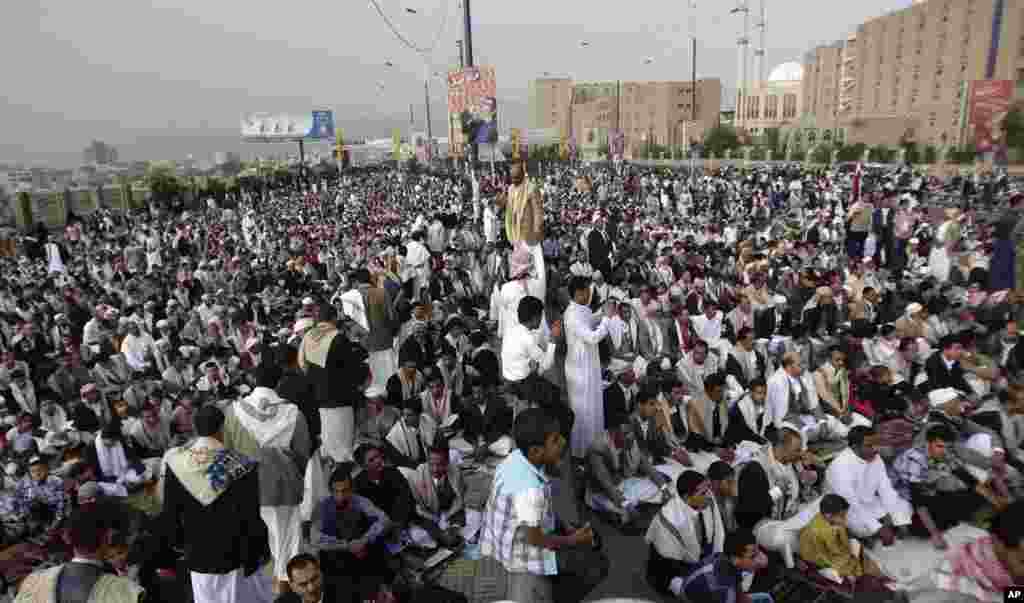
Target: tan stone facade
x=645, y=111
x=904, y=75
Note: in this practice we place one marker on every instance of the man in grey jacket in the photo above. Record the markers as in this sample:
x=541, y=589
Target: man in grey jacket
x=273, y=431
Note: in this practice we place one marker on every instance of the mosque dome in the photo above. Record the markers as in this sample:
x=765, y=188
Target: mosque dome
x=787, y=72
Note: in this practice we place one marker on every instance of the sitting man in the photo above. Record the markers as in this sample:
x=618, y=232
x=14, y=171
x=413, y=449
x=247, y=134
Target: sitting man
x=411, y=436
x=375, y=419
x=653, y=442
x=858, y=474
x=769, y=489
x=972, y=442
x=939, y=487
x=794, y=398
x=985, y=569
x=441, y=405
x=686, y=531
x=350, y=538
x=38, y=487
x=826, y=545
x=151, y=435
x=384, y=486
x=116, y=464
x=708, y=416
x=721, y=577
x=750, y=419
x=438, y=490
x=487, y=421
x=615, y=465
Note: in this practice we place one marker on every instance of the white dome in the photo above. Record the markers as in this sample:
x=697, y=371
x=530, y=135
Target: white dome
x=787, y=72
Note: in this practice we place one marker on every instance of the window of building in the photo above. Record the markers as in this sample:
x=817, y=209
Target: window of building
x=789, y=106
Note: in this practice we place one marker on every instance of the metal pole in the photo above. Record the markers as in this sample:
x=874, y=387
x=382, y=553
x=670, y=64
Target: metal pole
x=467, y=50
x=430, y=129
x=302, y=161
x=462, y=57
x=693, y=83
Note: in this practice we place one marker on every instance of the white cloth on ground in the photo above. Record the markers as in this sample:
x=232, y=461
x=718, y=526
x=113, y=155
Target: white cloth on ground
x=338, y=432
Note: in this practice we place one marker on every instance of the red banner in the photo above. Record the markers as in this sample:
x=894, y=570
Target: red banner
x=990, y=103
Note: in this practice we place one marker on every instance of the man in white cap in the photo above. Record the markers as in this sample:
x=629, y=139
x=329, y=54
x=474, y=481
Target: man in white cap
x=272, y=431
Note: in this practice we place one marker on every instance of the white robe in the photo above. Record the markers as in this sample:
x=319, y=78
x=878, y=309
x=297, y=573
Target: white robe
x=867, y=488
x=583, y=375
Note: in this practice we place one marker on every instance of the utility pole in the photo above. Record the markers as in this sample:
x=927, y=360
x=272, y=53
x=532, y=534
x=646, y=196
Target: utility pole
x=462, y=58
x=430, y=129
x=467, y=51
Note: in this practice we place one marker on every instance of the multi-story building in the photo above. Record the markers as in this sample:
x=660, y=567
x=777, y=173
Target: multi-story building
x=777, y=102
x=662, y=113
x=906, y=75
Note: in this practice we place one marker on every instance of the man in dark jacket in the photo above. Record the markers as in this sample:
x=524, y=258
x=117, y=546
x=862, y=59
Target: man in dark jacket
x=211, y=490
x=338, y=373
x=943, y=367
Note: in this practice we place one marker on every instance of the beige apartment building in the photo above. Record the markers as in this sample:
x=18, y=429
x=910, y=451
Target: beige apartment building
x=647, y=112
x=775, y=103
x=906, y=75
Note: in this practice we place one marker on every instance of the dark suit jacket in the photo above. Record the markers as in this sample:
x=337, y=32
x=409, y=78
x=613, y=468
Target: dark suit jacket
x=654, y=445
x=753, y=502
x=597, y=250
x=494, y=422
x=939, y=376
x=732, y=367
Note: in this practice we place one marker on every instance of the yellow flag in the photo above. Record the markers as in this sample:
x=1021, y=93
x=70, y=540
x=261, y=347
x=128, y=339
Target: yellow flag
x=396, y=144
x=515, y=143
x=563, y=150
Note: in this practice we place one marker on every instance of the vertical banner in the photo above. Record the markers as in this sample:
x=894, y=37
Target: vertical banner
x=990, y=104
x=563, y=148
x=472, y=107
x=396, y=144
x=339, y=144
x=516, y=142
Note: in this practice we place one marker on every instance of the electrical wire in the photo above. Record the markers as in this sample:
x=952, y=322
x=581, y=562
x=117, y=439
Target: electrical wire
x=425, y=52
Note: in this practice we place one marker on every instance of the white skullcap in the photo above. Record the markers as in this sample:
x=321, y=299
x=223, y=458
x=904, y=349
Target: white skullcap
x=375, y=391
x=938, y=397
x=914, y=308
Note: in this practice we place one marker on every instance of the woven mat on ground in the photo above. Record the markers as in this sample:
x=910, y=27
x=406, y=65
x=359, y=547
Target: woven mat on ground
x=482, y=581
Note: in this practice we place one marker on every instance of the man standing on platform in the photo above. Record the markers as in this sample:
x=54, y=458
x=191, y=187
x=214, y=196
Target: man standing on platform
x=524, y=217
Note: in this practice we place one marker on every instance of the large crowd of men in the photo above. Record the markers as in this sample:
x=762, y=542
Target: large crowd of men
x=281, y=395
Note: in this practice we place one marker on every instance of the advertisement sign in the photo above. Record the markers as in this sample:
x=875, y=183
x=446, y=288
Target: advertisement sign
x=516, y=143
x=396, y=144
x=990, y=104
x=472, y=107
x=279, y=127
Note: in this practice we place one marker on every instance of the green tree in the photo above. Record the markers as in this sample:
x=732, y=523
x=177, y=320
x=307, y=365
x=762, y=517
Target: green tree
x=162, y=183
x=852, y=152
x=720, y=138
x=930, y=154
x=880, y=154
x=771, y=140
x=1014, y=125
x=822, y=154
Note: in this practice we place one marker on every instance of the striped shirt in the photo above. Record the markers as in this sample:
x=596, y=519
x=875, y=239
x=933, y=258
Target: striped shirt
x=520, y=498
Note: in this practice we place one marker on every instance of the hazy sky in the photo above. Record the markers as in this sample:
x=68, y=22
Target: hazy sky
x=162, y=78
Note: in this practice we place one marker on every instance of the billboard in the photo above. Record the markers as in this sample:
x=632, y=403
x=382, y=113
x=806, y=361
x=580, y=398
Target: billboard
x=990, y=104
x=281, y=127
x=472, y=108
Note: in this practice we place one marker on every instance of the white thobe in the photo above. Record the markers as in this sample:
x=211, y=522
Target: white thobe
x=867, y=488
x=583, y=375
